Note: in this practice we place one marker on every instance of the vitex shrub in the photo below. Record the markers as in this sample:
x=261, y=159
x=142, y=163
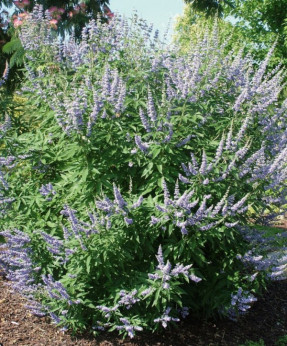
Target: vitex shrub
x=124, y=206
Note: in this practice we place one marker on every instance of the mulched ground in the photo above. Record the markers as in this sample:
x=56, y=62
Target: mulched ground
x=266, y=320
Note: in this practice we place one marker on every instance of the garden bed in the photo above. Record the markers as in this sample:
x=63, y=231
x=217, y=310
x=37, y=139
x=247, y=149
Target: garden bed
x=267, y=320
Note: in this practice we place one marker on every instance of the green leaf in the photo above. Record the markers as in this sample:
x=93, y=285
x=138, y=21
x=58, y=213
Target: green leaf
x=148, y=170
x=108, y=137
x=85, y=173
x=159, y=167
x=160, y=181
x=156, y=298
x=156, y=152
x=88, y=264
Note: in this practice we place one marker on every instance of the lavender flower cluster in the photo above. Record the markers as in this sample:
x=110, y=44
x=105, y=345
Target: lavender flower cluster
x=165, y=318
x=15, y=260
x=117, y=207
x=181, y=210
x=47, y=191
x=240, y=303
x=264, y=255
x=80, y=230
x=103, y=95
x=128, y=326
x=6, y=163
x=55, y=289
x=86, y=104
x=165, y=272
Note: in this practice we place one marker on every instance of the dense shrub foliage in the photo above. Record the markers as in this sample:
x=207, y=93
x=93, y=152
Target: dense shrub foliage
x=124, y=197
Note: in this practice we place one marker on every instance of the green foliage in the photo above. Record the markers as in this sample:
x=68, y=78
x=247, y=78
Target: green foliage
x=15, y=50
x=210, y=7
x=104, y=241
x=282, y=341
x=191, y=27
x=263, y=22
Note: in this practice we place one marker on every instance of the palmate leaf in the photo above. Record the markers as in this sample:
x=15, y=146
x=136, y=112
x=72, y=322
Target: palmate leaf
x=12, y=46
x=17, y=58
x=15, y=48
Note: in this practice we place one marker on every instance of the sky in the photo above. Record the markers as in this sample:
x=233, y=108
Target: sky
x=158, y=12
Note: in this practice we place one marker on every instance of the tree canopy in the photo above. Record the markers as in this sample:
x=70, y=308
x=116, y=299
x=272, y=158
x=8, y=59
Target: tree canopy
x=255, y=23
x=210, y=7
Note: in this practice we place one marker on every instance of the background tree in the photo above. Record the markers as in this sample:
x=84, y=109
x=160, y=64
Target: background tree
x=192, y=26
x=257, y=23
x=263, y=22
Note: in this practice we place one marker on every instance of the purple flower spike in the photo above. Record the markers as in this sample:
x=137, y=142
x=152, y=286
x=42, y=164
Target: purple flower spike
x=118, y=198
x=47, y=191
x=141, y=145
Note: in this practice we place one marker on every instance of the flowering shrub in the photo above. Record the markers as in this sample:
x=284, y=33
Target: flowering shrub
x=124, y=204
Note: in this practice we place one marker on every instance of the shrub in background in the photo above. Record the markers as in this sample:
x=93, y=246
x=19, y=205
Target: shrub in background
x=125, y=200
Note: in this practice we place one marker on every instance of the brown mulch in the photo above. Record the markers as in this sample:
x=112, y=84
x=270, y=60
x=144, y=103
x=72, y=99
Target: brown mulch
x=267, y=320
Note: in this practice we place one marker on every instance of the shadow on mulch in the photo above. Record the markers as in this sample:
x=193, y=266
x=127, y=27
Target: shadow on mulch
x=267, y=320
